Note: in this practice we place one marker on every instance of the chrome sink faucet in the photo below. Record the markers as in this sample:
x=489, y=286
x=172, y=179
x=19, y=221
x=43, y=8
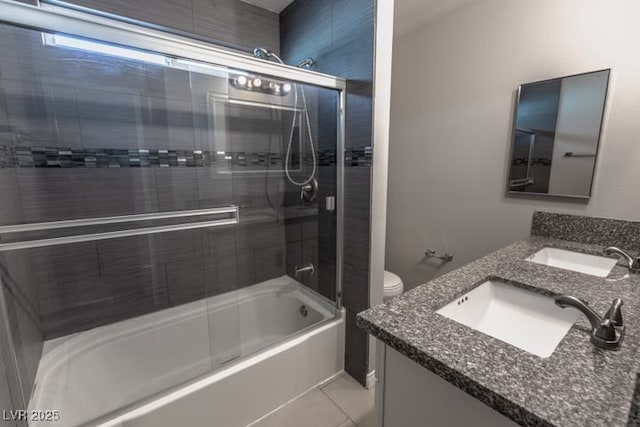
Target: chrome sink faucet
x=632, y=263
x=606, y=332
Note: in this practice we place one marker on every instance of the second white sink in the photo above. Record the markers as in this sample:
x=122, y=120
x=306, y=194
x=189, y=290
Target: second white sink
x=575, y=261
x=522, y=318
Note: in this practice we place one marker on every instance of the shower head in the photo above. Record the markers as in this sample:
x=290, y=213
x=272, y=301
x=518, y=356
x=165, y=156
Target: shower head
x=263, y=53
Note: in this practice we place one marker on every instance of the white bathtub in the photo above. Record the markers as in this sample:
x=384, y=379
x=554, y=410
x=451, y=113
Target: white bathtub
x=225, y=361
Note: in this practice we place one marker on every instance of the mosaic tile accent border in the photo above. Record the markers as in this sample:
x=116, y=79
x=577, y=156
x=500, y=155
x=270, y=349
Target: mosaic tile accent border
x=51, y=157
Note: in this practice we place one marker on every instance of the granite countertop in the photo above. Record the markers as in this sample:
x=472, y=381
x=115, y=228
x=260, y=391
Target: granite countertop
x=577, y=385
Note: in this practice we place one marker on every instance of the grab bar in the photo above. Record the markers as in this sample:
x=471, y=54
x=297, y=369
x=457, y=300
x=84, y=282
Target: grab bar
x=115, y=234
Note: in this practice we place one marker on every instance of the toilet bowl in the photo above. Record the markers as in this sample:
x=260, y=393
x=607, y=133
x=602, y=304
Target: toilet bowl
x=393, y=285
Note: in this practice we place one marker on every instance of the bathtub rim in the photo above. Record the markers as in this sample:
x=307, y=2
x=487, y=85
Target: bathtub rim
x=90, y=339
x=144, y=406
x=282, y=285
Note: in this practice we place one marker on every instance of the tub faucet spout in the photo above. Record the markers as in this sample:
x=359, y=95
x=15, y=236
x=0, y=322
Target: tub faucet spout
x=308, y=268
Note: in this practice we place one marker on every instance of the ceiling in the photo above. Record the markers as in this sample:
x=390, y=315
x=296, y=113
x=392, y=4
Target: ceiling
x=276, y=6
x=411, y=14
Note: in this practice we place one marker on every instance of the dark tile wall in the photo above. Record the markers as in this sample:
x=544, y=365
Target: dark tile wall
x=231, y=23
x=339, y=36
x=69, y=100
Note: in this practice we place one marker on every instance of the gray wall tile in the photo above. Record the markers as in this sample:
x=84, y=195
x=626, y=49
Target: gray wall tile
x=339, y=35
x=41, y=115
x=169, y=124
x=111, y=120
x=11, y=207
x=357, y=207
x=56, y=194
x=36, y=268
x=356, y=358
x=169, y=83
x=186, y=280
x=214, y=188
x=231, y=23
x=270, y=261
x=355, y=288
x=119, y=296
x=170, y=13
x=236, y=23
x=133, y=252
x=177, y=188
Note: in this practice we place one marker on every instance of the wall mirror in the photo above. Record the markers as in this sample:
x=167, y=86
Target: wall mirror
x=556, y=133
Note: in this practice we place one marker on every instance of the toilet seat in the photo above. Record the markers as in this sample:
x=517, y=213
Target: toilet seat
x=393, y=285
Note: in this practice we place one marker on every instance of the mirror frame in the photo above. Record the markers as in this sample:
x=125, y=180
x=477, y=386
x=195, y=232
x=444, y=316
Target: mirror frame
x=514, y=124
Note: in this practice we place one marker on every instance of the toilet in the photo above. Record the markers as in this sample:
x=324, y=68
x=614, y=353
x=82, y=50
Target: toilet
x=392, y=285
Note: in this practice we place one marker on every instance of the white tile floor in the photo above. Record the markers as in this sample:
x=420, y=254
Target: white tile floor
x=343, y=402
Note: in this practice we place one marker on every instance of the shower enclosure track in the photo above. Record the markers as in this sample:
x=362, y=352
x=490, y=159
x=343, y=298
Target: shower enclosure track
x=22, y=228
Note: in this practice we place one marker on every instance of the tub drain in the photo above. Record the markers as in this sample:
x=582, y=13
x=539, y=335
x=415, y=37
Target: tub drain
x=303, y=311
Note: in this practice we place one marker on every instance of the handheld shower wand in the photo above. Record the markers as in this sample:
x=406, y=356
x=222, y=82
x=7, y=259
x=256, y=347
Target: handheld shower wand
x=262, y=53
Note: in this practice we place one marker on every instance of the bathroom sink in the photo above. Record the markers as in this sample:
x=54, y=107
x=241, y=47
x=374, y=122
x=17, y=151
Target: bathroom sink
x=575, y=261
x=522, y=318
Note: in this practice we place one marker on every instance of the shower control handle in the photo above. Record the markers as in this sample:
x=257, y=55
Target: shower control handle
x=307, y=268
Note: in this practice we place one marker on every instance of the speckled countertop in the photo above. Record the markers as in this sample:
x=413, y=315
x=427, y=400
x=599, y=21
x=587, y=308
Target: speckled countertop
x=578, y=385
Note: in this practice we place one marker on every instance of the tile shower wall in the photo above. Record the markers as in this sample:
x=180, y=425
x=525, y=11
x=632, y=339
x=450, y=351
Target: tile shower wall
x=123, y=138
x=231, y=23
x=339, y=36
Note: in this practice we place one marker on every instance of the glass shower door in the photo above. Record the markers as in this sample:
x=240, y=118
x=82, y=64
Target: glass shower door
x=110, y=195
x=160, y=217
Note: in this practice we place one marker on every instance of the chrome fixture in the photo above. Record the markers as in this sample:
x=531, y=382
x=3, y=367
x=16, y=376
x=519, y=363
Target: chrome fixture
x=446, y=257
x=307, y=268
x=264, y=53
x=632, y=263
x=606, y=332
x=306, y=63
x=309, y=192
x=257, y=83
x=202, y=218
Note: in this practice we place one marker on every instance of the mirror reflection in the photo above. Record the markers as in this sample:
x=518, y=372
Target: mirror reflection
x=556, y=135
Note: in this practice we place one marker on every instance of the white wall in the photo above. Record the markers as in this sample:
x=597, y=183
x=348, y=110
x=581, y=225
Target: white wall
x=577, y=131
x=453, y=95
x=381, y=119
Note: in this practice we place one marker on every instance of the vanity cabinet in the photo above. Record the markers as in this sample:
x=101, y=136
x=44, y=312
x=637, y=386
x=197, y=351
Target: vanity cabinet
x=409, y=395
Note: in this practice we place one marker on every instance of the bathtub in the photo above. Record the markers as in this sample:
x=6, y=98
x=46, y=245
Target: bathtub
x=223, y=361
